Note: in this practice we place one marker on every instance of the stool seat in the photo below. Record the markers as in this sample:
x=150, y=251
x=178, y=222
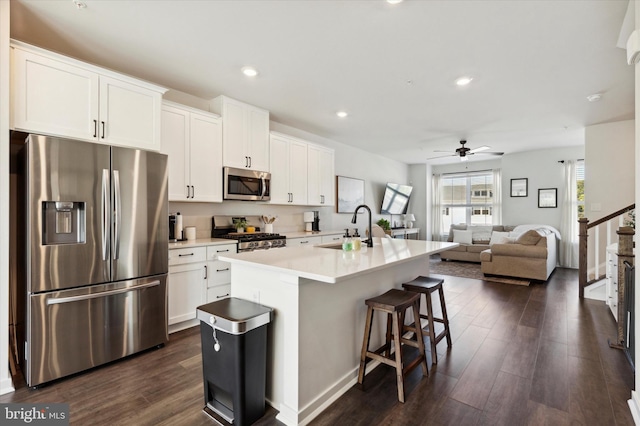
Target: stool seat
x=394, y=303
x=428, y=285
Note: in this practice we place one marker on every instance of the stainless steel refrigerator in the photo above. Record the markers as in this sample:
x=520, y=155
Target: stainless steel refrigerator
x=96, y=255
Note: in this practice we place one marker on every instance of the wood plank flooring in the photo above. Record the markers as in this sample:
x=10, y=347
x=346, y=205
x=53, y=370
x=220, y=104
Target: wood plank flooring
x=521, y=356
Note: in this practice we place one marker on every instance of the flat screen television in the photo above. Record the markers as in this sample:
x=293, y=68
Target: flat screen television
x=396, y=198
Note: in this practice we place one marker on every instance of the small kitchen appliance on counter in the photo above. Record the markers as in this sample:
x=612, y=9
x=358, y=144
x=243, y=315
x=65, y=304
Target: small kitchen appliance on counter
x=308, y=218
x=222, y=227
x=315, y=227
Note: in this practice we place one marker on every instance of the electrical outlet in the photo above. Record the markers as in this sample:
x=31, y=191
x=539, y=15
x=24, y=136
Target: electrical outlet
x=255, y=295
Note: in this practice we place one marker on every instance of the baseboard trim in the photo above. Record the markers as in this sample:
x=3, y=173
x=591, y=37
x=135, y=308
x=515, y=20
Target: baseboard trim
x=6, y=386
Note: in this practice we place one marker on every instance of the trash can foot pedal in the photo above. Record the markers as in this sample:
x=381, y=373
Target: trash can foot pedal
x=215, y=416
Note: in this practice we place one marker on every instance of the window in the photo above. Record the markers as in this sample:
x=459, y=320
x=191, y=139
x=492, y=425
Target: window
x=466, y=198
x=580, y=189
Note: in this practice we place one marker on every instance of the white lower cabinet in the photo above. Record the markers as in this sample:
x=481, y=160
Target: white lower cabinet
x=218, y=272
x=331, y=238
x=187, y=285
x=304, y=241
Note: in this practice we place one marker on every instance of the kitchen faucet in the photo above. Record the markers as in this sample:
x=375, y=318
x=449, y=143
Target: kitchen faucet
x=369, y=240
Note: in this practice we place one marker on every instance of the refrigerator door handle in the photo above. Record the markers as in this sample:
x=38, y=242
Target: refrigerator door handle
x=105, y=214
x=116, y=214
x=59, y=300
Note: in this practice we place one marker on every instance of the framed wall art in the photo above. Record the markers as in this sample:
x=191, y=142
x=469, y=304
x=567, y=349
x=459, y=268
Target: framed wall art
x=520, y=187
x=547, y=198
x=350, y=194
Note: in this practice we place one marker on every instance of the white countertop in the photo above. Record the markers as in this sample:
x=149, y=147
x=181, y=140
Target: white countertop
x=201, y=242
x=334, y=265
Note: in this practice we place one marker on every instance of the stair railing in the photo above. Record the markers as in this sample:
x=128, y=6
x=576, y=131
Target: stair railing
x=589, y=264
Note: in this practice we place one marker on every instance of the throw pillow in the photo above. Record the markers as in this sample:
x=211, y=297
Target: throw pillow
x=529, y=238
x=461, y=226
x=499, y=238
x=462, y=237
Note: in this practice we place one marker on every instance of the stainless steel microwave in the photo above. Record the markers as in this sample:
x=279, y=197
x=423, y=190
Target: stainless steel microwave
x=247, y=185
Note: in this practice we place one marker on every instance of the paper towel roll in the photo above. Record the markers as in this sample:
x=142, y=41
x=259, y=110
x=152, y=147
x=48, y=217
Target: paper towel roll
x=307, y=217
x=178, y=226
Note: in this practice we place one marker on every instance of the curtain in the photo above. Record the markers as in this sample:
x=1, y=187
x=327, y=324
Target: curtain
x=569, y=225
x=497, y=198
x=436, y=212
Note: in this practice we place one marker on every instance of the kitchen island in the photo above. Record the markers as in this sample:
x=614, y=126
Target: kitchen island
x=318, y=295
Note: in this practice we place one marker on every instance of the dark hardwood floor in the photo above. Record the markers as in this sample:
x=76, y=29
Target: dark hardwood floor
x=532, y=355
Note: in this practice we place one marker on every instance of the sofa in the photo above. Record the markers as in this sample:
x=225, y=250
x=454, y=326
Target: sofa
x=523, y=251
x=473, y=240
x=531, y=253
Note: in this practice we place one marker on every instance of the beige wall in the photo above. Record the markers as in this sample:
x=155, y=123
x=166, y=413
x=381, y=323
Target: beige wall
x=609, y=168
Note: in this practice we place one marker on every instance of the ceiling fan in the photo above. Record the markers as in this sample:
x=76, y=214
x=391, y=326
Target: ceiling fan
x=463, y=152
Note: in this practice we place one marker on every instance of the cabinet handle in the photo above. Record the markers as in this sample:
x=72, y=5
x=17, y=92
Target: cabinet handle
x=206, y=272
x=224, y=295
x=95, y=128
x=304, y=242
x=184, y=255
x=246, y=161
x=222, y=251
x=249, y=162
x=193, y=191
x=102, y=129
x=188, y=191
x=222, y=270
x=322, y=199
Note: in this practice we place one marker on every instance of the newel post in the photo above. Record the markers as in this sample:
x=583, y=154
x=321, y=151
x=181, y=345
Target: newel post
x=582, y=255
x=625, y=253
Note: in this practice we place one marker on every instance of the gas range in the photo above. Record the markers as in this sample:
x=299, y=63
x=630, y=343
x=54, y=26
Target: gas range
x=222, y=227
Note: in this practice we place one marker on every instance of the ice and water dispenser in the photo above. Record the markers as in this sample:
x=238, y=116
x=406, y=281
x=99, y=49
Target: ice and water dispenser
x=63, y=222
x=234, y=359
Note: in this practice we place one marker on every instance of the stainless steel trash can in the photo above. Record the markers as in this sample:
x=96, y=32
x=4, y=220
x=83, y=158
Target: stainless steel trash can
x=234, y=359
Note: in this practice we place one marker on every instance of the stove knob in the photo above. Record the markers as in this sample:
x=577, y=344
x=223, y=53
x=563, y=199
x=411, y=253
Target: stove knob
x=268, y=244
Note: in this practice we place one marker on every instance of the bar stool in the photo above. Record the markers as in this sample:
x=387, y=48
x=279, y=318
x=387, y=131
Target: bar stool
x=395, y=303
x=426, y=286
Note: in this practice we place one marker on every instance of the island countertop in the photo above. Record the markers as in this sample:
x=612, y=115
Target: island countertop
x=325, y=264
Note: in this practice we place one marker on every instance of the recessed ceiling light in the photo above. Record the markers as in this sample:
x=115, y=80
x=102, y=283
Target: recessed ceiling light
x=342, y=114
x=249, y=71
x=394, y=1
x=463, y=81
x=79, y=4
x=594, y=98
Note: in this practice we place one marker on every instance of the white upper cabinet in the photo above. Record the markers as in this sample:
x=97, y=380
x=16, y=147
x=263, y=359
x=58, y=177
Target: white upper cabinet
x=321, y=180
x=288, y=170
x=245, y=134
x=192, y=139
x=59, y=96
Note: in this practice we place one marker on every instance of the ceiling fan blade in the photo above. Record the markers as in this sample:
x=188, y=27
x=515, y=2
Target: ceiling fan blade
x=480, y=148
x=490, y=153
x=442, y=156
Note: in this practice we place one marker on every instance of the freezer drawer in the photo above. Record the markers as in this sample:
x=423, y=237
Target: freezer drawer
x=73, y=330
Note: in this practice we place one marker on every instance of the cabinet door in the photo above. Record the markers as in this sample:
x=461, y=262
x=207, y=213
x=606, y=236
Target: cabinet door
x=175, y=137
x=321, y=176
x=298, y=172
x=206, y=158
x=187, y=291
x=257, y=128
x=52, y=97
x=129, y=115
x=233, y=135
x=280, y=176
x=302, y=242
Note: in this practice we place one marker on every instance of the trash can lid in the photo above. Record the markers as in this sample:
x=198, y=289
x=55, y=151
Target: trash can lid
x=234, y=315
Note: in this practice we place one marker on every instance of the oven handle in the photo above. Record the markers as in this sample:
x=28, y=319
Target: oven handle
x=264, y=187
x=59, y=300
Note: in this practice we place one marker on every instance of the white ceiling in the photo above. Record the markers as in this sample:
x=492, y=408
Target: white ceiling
x=392, y=67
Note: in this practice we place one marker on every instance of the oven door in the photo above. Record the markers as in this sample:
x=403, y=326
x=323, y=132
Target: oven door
x=247, y=185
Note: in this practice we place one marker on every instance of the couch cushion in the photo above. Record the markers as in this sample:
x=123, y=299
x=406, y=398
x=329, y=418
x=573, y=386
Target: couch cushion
x=463, y=237
x=477, y=248
x=485, y=256
x=461, y=247
x=529, y=238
